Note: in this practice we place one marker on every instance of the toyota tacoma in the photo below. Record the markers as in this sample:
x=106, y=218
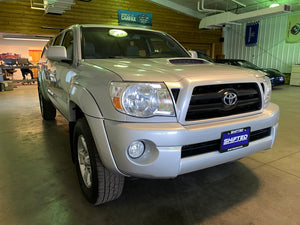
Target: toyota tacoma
x=139, y=105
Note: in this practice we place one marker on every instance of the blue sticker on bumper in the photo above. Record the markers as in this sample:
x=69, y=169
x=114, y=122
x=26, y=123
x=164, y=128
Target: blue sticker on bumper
x=235, y=139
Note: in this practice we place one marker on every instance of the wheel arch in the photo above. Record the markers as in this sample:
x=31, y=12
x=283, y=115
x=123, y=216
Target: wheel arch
x=83, y=104
x=42, y=84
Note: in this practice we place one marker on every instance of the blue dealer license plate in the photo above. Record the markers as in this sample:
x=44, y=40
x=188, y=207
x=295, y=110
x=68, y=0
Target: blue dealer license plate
x=235, y=139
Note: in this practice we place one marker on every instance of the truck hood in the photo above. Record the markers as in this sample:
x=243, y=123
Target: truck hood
x=163, y=70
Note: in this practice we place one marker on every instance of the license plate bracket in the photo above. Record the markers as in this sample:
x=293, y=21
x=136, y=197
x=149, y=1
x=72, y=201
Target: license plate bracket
x=235, y=139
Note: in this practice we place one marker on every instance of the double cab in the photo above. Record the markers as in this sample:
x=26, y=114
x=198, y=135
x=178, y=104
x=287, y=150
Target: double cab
x=139, y=105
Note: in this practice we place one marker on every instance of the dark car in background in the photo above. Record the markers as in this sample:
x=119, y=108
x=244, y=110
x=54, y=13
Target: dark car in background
x=276, y=77
x=202, y=55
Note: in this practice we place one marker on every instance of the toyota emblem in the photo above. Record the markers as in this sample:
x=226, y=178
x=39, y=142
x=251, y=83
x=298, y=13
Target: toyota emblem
x=230, y=98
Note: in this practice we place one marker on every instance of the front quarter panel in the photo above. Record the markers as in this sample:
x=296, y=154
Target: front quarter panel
x=95, y=82
x=80, y=96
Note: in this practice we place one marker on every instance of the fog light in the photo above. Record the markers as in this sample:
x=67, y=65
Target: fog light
x=136, y=149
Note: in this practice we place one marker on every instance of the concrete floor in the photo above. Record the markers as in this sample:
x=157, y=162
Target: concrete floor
x=38, y=183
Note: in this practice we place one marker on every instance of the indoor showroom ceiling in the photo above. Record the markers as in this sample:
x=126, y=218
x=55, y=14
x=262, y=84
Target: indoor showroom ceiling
x=195, y=8
x=227, y=11
x=236, y=6
x=214, y=13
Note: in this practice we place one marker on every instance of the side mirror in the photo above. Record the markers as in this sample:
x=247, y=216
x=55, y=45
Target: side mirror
x=193, y=54
x=57, y=53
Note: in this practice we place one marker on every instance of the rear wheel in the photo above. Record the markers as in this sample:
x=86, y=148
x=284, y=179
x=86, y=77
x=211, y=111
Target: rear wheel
x=48, y=111
x=98, y=184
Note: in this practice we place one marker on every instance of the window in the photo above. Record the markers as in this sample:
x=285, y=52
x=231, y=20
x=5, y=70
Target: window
x=68, y=44
x=57, y=40
x=99, y=43
x=43, y=55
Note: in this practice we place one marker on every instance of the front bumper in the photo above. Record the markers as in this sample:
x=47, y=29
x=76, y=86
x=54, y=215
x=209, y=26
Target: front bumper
x=163, y=141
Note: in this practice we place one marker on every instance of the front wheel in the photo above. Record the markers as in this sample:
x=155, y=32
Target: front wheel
x=98, y=184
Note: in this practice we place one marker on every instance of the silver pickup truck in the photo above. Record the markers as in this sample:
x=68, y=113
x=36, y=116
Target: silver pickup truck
x=139, y=105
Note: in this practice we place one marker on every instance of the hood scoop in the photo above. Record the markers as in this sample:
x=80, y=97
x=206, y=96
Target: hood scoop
x=188, y=61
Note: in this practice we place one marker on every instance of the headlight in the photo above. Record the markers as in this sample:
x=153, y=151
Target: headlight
x=267, y=88
x=142, y=99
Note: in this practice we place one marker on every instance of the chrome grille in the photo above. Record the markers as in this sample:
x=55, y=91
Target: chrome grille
x=207, y=101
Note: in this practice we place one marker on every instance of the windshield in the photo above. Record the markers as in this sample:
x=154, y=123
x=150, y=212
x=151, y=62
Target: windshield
x=247, y=64
x=100, y=43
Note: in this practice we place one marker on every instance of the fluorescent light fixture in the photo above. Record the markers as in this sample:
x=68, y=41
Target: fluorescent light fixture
x=24, y=39
x=227, y=17
x=239, y=3
x=274, y=5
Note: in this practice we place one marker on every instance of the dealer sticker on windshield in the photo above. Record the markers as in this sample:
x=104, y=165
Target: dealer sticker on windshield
x=234, y=139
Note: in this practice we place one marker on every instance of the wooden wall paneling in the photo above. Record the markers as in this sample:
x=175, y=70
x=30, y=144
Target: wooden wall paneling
x=18, y=17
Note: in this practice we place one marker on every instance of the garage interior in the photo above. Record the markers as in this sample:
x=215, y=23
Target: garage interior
x=39, y=183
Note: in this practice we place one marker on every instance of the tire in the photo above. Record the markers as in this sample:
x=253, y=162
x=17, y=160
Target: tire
x=48, y=111
x=98, y=184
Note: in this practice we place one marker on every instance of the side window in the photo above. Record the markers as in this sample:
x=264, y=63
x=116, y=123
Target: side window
x=68, y=43
x=43, y=56
x=57, y=40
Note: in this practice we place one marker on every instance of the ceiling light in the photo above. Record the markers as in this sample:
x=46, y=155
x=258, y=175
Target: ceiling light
x=274, y=5
x=118, y=33
x=25, y=39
